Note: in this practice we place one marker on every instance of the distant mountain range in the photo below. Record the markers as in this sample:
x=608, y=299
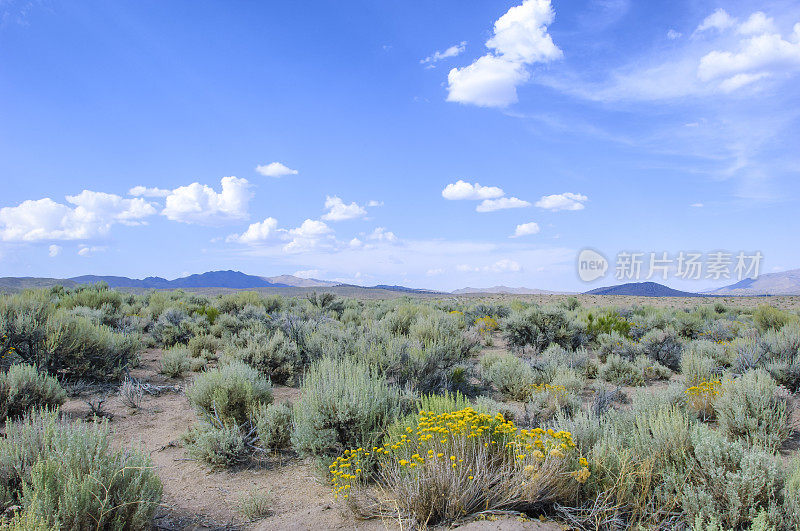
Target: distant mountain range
x=211, y=279
x=641, y=289
x=783, y=283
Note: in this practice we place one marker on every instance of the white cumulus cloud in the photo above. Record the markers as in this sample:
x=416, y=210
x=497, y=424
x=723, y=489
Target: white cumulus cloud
x=275, y=169
x=757, y=57
x=93, y=215
x=257, y=232
x=338, y=210
x=565, y=201
x=490, y=205
x=520, y=39
x=199, y=203
x=54, y=250
x=307, y=236
x=526, y=229
x=464, y=190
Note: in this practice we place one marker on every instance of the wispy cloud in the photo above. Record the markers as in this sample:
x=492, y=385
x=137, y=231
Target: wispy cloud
x=453, y=51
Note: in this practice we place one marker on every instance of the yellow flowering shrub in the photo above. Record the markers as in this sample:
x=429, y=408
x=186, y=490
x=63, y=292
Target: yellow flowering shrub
x=452, y=464
x=486, y=325
x=703, y=395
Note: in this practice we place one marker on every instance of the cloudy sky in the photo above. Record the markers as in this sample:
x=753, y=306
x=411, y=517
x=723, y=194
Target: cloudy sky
x=433, y=144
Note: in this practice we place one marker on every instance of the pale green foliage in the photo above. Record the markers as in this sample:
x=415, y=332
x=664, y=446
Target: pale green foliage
x=68, y=475
x=230, y=393
x=697, y=368
x=219, y=445
x=343, y=404
x=273, y=424
x=730, y=483
x=752, y=408
x=619, y=371
x=274, y=355
x=205, y=346
x=509, y=374
x=539, y=327
x=616, y=344
x=792, y=493
x=175, y=362
x=651, y=369
x=766, y=318
x=23, y=388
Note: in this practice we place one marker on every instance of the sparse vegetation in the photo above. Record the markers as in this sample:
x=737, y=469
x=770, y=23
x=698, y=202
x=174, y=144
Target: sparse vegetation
x=426, y=402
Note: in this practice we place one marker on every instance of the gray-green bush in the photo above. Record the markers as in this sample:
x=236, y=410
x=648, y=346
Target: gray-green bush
x=753, y=409
x=69, y=476
x=230, y=393
x=343, y=404
x=23, y=388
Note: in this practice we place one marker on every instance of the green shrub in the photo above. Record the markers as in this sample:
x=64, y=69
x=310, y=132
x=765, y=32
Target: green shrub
x=431, y=368
x=792, y=493
x=276, y=356
x=650, y=369
x=545, y=403
x=606, y=323
x=663, y=346
x=558, y=356
x=68, y=475
x=273, y=424
x=619, y=371
x=23, y=388
x=730, y=483
x=173, y=327
x=229, y=393
x=781, y=355
x=509, y=374
x=175, y=362
x=752, y=408
x=539, y=327
x=697, y=368
x=399, y=321
x=75, y=347
x=220, y=445
x=617, y=345
x=343, y=404
x=199, y=345
x=766, y=318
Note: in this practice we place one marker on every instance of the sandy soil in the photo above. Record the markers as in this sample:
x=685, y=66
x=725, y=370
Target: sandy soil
x=197, y=497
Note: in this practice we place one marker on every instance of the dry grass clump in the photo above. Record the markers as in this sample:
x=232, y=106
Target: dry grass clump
x=256, y=504
x=458, y=463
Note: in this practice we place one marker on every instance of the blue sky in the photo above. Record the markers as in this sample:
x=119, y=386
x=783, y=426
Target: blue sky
x=433, y=144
